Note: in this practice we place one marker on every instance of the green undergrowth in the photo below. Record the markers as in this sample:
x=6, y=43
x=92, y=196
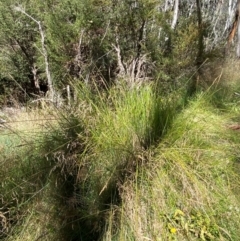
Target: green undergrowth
x=127, y=164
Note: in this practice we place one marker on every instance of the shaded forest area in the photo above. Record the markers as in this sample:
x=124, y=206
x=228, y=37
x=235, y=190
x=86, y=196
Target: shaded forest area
x=48, y=45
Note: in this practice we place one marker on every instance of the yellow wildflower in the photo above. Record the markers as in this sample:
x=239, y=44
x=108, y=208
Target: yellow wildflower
x=173, y=230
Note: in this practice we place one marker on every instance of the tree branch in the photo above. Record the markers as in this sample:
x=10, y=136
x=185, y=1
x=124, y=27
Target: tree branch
x=44, y=50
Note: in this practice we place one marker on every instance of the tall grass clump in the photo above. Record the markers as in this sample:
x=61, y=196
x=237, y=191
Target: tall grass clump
x=119, y=126
x=187, y=190
x=126, y=164
x=84, y=157
x=130, y=122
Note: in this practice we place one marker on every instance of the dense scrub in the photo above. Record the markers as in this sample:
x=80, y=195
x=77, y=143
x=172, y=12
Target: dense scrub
x=45, y=46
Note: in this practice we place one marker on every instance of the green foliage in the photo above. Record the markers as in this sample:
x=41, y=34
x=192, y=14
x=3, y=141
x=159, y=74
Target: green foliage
x=86, y=41
x=19, y=54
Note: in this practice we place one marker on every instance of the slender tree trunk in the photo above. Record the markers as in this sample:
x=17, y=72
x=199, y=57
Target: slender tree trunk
x=235, y=29
x=200, y=35
x=175, y=14
x=199, y=60
x=45, y=54
x=238, y=29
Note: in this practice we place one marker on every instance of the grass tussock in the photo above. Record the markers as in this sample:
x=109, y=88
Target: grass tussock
x=186, y=192
x=125, y=164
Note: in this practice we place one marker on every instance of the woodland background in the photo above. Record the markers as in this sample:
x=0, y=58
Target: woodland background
x=49, y=45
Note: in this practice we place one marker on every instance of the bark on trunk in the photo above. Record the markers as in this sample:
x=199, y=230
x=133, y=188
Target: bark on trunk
x=238, y=29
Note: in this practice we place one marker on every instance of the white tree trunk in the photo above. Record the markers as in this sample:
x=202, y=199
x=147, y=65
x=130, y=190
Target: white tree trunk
x=175, y=14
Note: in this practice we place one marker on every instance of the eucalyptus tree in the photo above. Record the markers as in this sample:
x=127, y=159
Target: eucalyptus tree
x=218, y=18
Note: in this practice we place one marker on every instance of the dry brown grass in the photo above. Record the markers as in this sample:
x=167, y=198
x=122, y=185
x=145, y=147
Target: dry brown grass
x=24, y=122
x=220, y=71
x=231, y=70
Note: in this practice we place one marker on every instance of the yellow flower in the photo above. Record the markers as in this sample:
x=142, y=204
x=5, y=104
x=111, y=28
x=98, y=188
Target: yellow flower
x=173, y=230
